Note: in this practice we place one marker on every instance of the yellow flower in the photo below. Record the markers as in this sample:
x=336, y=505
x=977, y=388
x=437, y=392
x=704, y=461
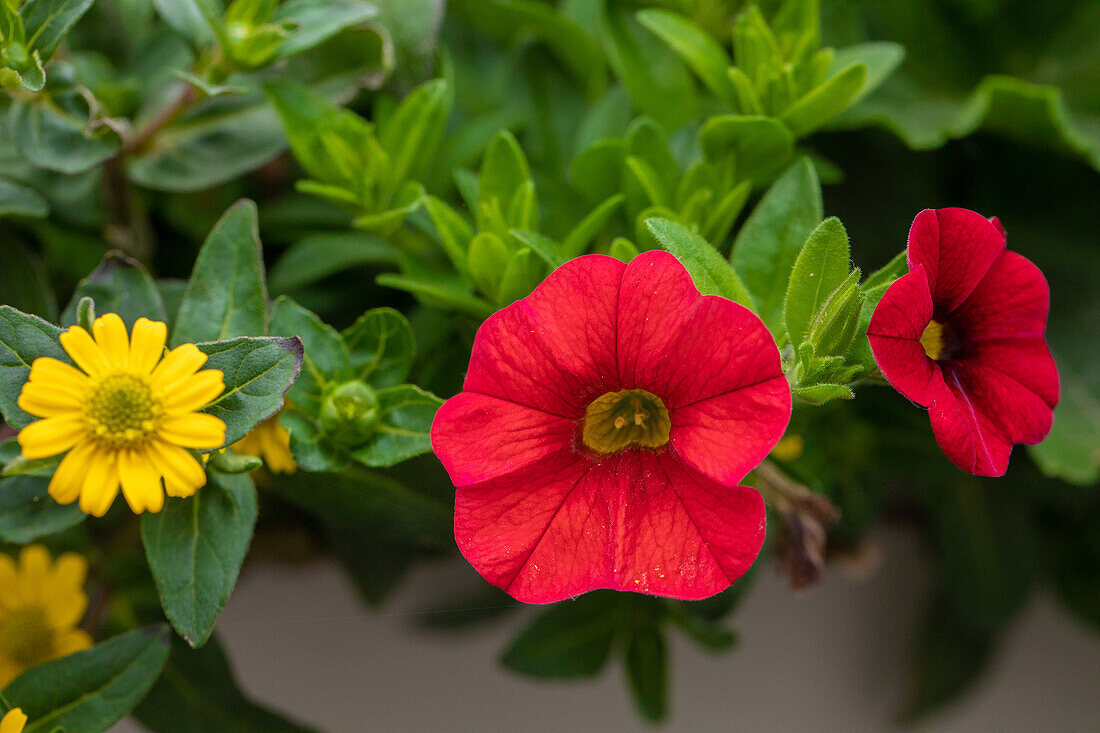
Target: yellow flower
x=13, y=722
x=127, y=418
x=270, y=442
x=41, y=602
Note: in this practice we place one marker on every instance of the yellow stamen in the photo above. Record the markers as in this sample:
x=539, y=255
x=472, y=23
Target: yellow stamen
x=121, y=411
x=620, y=420
x=932, y=340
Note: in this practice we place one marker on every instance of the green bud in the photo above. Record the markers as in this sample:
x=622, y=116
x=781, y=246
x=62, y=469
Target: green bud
x=10, y=79
x=350, y=414
x=834, y=327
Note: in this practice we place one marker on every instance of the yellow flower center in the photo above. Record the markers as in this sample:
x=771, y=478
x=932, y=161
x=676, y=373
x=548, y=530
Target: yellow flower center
x=619, y=420
x=933, y=340
x=121, y=411
x=26, y=637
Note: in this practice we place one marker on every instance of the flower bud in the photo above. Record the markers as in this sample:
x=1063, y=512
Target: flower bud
x=349, y=414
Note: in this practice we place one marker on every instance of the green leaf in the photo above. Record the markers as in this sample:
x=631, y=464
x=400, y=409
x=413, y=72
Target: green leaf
x=522, y=275
x=705, y=56
x=759, y=146
x=570, y=639
x=47, y=21
x=443, y=294
x=656, y=79
x=825, y=102
x=119, y=285
x=819, y=394
x=834, y=327
x=710, y=271
x=198, y=691
x=623, y=250
x=219, y=140
x=23, y=338
x=596, y=172
x=405, y=415
x=1070, y=451
x=230, y=462
x=413, y=133
x=647, y=671
x=93, y=689
x=885, y=276
x=257, y=372
x=771, y=238
x=371, y=503
x=316, y=21
x=195, y=547
x=454, y=234
x=27, y=511
x=488, y=257
x=189, y=18
x=547, y=249
x=578, y=240
x=19, y=200
x=54, y=133
x=326, y=358
x=820, y=269
x=880, y=58
x=226, y=296
x=382, y=347
x=503, y=170
x=318, y=256
x=23, y=280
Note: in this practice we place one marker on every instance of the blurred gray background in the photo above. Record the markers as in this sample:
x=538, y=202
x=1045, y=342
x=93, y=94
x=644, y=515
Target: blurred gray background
x=833, y=658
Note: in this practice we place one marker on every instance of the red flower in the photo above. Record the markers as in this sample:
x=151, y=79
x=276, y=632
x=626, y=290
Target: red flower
x=605, y=423
x=962, y=334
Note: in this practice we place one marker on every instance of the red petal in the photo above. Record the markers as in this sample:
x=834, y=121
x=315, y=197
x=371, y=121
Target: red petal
x=1011, y=301
x=478, y=437
x=957, y=248
x=1026, y=360
x=978, y=414
x=727, y=436
x=894, y=332
x=635, y=521
x=555, y=349
x=682, y=346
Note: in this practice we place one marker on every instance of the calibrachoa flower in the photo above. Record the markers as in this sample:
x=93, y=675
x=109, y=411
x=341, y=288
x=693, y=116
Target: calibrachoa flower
x=271, y=442
x=606, y=421
x=126, y=416
x=41, y=602
x=13, y=721
x=962, y=334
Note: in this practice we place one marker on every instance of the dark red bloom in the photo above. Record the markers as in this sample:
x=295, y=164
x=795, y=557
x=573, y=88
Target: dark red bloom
x=606, y=421
x=962, y=334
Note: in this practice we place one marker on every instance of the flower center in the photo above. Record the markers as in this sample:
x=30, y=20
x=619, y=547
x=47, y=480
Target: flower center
x=932, y=340
x=25, y=637
x=121, y=411
x=619, y=420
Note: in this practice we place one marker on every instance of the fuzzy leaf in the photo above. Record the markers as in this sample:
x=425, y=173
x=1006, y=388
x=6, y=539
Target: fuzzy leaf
x=23, y=338
x=93, y=689
x=257, y=372
x=226, y=296
x=119, y=285
x=821, y=267
x=195, y=547
x=712, y=274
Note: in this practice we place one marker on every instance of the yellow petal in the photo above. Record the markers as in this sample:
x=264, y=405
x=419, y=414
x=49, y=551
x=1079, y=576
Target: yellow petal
x=178, y=490
x=195, y=393
x=84, y=351
x=64, y=601
x=110, y=334
x=14, y=721
x=8, y=672
x=45, y=438
x=140, y=482
x=69, y=477
x=179, y=363
x=193, y=430
x=59, y=375
x=46, y=400
x=276, y=448
x=9, y=599
x=147, y=344
x=101, y=484
x=34, y=568
x=72, y=642
x=177, y=465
